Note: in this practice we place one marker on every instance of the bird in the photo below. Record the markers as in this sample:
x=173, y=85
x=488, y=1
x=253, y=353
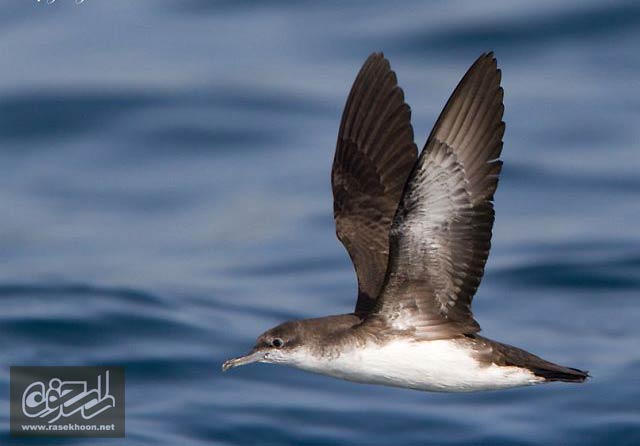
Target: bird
x=418, y=231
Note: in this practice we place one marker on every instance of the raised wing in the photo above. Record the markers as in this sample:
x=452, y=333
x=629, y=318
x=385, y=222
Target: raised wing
x=374, y=156
x=441, y=234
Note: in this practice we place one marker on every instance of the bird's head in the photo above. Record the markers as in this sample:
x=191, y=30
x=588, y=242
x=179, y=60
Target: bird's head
x=274, y=345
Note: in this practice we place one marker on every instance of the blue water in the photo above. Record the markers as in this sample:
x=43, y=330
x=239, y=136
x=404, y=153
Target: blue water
x=165, y=198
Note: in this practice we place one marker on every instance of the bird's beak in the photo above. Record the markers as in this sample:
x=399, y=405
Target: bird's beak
x=253, y=356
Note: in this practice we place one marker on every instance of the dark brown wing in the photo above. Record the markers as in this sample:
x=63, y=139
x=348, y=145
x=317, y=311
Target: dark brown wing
x=441, y=234
x=374, y=156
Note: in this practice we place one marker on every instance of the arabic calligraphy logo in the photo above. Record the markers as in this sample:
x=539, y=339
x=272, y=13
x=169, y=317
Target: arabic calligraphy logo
x=66, y=398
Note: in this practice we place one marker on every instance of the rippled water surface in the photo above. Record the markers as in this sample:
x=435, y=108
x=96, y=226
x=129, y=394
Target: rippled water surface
x=165, y=198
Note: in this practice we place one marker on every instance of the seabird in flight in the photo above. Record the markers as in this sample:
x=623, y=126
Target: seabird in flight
x=418, y=230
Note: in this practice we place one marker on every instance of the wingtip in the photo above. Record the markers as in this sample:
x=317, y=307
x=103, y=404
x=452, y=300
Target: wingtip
x=490, y=57
x=376, y=55
x=486, y=61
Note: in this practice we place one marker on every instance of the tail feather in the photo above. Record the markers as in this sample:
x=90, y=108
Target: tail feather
x=504, y=354
x=559, y=373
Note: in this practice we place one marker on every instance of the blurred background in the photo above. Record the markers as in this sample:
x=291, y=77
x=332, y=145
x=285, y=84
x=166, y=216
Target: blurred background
x=165, y=197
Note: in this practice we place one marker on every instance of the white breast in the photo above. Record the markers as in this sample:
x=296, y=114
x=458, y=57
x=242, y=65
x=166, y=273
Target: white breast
x=439, y=366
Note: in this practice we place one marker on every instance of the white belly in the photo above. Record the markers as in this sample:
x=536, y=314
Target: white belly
x=438, y=366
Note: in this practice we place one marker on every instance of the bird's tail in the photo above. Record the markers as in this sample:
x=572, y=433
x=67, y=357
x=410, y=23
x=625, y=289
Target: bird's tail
x=513, y=356
x=554, y=372
x=540, y=367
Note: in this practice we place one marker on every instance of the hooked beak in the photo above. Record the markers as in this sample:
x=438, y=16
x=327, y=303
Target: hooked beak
x=253, y=356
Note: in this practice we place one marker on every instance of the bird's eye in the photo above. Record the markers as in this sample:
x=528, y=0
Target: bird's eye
x=277, y=342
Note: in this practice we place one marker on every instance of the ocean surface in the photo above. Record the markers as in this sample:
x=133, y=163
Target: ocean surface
x=165, y=198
